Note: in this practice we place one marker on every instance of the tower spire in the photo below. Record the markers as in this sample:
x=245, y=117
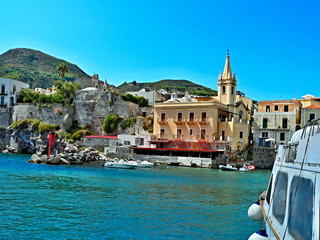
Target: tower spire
x=227, y=73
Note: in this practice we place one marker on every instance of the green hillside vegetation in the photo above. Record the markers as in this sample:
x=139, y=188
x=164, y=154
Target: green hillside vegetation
x=36, y=68
x=169, y=86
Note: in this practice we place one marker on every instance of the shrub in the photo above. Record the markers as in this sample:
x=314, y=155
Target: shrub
x=148, y=123
x=86, y=126
x=80, y=134
x=141, y=101
x=15, y=124
x=110, y=123
x=35, y=123
x=1, y=128
x=43, y=127
x=58, y=111
x=128, y=122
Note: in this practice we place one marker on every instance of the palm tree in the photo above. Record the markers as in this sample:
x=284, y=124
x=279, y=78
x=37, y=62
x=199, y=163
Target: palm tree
x=62, y=68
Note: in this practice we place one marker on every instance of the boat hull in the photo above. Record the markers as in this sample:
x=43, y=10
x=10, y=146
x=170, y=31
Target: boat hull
x=120, y=165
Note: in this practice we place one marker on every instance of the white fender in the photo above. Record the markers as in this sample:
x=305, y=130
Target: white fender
x=260, y=235
x=255, y=212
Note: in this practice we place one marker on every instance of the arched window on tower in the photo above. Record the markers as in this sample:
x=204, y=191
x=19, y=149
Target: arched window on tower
x=223, y=89
x=232, y=90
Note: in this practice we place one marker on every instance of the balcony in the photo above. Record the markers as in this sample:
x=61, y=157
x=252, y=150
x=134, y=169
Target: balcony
x=161, y=121
x=179, y=121
x=191, y=121
x=4, y=93
x=203, y=121
x=3, y=104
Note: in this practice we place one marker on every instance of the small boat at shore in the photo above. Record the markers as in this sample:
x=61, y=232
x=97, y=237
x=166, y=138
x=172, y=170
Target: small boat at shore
x=246, y=168
x=228, y=167
x=145, y=164
x=120, y=164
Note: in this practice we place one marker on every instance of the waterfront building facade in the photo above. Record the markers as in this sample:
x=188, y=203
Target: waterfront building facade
x=276, y=121
x=205, y=123
x=9, y=91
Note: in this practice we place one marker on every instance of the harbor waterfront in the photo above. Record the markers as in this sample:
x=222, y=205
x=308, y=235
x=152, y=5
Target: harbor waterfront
x=39, y=201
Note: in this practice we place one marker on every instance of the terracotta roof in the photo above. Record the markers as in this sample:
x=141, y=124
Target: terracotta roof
x=313, y=106
x=102, y=136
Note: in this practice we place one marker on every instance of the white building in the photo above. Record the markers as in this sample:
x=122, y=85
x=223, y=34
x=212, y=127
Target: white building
x=152, y=96
x=9, y=91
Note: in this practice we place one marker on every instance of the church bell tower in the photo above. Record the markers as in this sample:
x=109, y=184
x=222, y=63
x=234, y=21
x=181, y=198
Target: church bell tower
x=227, y=84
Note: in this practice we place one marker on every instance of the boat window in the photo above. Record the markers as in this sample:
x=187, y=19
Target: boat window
x=301, y=207
x=269, y=191
x=292, y=153
x=280, y=196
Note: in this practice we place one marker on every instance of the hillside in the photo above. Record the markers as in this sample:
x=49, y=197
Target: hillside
x=170, y=86
x=35, y=68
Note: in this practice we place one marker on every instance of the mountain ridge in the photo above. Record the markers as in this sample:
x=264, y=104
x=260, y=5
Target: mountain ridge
x=36, y=68
x=170, y=85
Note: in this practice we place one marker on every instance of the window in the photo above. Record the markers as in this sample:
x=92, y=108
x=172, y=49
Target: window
x=267, y=108
x=265, y=134
x=301, y=202
x=265, y=123
x=14, y=88
x=232, y=90
x=223, y=90
x=240, y=114
x=190, y=132
x=282, y=136
x=179, y=133
x=312, y=116
x=269, y=191
x=163, y=116
x=203, y=134
x=162, y=133
x=286, y=108
x=241, y=135
x=179, y=116
x=2, y=101
x=191, y=116
x=223, y=135
x=284, y=123
x=3, y=88
x=139, y=141
x=280, y=197
x=203, y=116
x=276, y=108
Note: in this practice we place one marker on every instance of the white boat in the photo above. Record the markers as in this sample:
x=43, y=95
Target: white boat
x=228, y=167
x=247, y=168
x=290, y=207
x=145, y=164
x=120, y=164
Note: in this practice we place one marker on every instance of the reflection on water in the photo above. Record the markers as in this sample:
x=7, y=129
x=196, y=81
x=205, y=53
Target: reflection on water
x=83, y=202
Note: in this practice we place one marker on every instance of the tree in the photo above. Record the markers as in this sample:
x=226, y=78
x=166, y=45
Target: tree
x=62, y=68
x=67, y=90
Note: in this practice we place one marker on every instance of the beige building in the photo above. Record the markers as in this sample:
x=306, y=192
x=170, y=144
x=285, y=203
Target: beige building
x=276, y=121
x=210, y=123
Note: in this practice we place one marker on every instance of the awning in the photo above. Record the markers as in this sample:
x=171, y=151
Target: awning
x=160, y=141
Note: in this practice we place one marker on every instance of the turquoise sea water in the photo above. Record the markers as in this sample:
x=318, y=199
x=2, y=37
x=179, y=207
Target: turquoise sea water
x=92, y=202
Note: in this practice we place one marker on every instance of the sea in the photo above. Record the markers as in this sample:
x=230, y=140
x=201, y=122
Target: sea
x=39, y=201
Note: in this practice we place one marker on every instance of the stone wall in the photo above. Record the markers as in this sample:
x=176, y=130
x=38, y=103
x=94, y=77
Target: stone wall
x=263, y=157
x=5, y=136
x=5, y=117
x=48, y=113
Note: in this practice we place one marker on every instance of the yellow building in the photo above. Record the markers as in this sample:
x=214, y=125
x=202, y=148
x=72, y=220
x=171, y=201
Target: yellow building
x=204, y=123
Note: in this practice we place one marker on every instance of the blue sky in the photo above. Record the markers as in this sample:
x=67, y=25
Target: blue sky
x=274, y=45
